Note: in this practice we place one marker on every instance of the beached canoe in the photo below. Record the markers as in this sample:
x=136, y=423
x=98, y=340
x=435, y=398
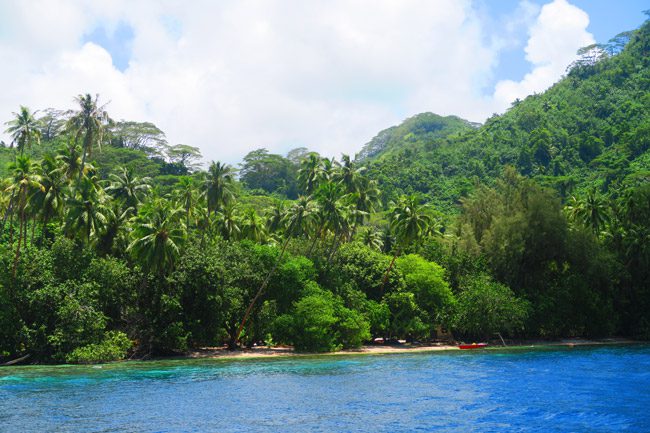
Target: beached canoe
x=472, y=346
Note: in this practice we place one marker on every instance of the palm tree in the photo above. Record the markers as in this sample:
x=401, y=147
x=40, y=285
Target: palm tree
x=128, y=187
x=158, y=233
x=86, y=209
x=228, y=222
x=371, y=238
x=349, y=175
x=300, y=217
x=51, y=199
x=219, y=186
x=253, y=227
x=88, y=125
x=297, y=217
x=310, y=173
x=186, y=194
x=69, y=157
x=364, y=200
x=409, y=223
x=592, y=211
x=275, y=217
x=116, y=227
x=24, y=129
x=334, y=213
x=25, y=178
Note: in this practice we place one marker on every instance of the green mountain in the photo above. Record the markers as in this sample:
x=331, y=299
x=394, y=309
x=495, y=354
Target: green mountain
x=414, y=133
x=590, y=130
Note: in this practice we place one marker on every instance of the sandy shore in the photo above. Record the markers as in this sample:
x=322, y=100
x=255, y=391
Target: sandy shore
x=270, y=352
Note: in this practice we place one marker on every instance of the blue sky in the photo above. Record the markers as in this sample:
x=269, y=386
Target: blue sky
x=232, y=76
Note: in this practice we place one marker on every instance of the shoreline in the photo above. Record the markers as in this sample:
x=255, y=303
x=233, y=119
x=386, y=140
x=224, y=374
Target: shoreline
x=369, y=350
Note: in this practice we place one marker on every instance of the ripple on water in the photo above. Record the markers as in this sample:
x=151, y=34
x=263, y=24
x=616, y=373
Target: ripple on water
x=590, y=389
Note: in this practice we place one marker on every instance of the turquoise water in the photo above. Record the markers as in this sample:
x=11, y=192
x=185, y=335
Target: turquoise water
x=582, y=389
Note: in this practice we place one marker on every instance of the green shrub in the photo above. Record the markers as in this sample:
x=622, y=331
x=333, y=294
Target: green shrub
x=113, y=347
x=486, y=307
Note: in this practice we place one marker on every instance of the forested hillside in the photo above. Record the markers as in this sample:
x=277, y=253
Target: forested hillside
x=590, y=130
x=535, y=225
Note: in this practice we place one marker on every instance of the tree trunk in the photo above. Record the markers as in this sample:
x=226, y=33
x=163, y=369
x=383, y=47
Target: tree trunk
x=335, y=248
x=20, y=233
x=262, y=287
x=9, y=211
x=387, y=274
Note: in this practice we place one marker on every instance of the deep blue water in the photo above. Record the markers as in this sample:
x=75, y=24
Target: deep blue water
x=581, y=389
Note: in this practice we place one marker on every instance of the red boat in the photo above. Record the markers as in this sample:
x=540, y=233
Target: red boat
x=473, y=346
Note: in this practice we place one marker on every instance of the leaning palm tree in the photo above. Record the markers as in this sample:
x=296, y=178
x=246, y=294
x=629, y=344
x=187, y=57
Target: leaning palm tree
x=409, y=223
x=24, y=129
x=158, y=233
x=297, y=217
x=88, y=125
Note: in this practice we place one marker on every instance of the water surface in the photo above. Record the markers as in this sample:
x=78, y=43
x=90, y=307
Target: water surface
x=581, y=389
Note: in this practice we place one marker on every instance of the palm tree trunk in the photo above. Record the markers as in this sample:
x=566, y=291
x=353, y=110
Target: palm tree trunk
x=313, y=244
x=9, y=210
x=335, y=248
x=11, y=228
x=20, y=232
x=390, y=268
x=31, y=241
x=262, y=287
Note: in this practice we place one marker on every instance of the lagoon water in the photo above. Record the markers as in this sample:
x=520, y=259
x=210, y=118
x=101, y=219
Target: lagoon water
x=581, y=389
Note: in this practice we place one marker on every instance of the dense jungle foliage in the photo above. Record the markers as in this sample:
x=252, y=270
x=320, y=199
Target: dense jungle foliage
x=535, y=225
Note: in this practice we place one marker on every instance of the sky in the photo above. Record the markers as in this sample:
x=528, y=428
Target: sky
x=232, y=76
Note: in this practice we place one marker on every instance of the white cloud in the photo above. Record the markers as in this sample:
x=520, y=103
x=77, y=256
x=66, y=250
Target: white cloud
x=233, y=76
x=560, y=30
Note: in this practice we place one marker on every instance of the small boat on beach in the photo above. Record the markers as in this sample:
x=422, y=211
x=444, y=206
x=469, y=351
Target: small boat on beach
x=472, y=346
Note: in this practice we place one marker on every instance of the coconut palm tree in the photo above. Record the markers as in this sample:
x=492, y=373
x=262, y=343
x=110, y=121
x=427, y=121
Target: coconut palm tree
x=297, y=220
x=86, y=209
x=88, y=125
x=409, y=222
x=219, y=186
x=252, y=226
x=51, y=199
x=275, y=217
x=158, y=233
x=371, y=238
x=310, y=173
x=69, y=157
x=228, y=222
x=592, y=211
x=24, y=129
x=186, y=194
x=115, y=231
x=126, y=186
x=349, y=175
x=364, y=200
x=25, y=178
